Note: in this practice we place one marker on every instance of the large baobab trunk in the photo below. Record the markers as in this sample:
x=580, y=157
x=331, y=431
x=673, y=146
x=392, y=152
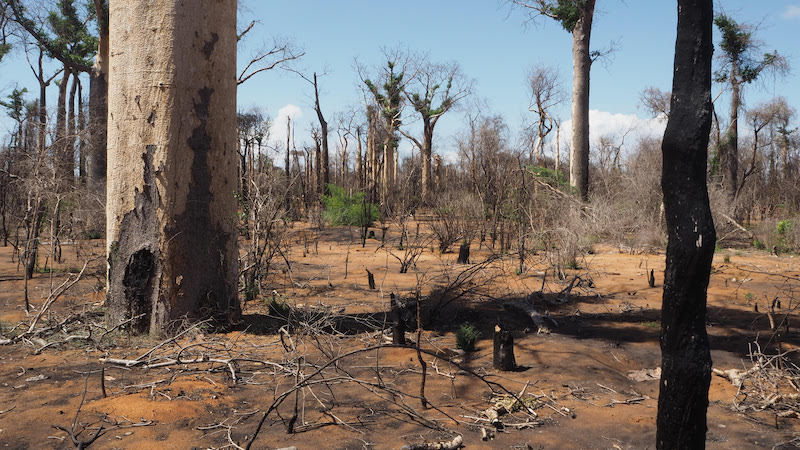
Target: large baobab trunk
x=685, y=356
x=426, y=154
x=172, y=163
x=581, y=66
x=98, y=106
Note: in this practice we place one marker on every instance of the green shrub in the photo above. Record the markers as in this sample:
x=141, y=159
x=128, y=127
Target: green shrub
x=784, y=227
x=466, y=337
x=757, y=243
x=278, y=307
x=343, y=208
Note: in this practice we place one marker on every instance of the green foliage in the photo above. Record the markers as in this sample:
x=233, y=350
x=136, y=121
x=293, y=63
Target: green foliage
x=72, y=38
x=749, y=297
x=466, y=337
x=345, y=209
x=759, y=244
x=567, y=12
x=651, y=324
x=278, y=307
x=784, y=227
x=390, y=98
x=553, y=178
x=738, y=46
x=15, y=104
x=4, y=49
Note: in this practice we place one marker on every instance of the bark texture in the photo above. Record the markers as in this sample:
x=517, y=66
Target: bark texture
x=172, y=163
x=581, y=66
x=685, y=356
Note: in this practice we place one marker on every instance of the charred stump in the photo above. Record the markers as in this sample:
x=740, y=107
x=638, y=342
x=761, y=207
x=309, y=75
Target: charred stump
x=398, y=322
x=463, y=253
x=371, y=280
x=503, y=358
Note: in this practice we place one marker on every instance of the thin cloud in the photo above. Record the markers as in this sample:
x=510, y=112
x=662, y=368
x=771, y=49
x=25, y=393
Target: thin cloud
x=791, y=12
x=603, y=123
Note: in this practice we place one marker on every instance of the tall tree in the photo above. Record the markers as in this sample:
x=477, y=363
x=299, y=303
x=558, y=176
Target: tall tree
x=741, y=65
x=434, y=90
x=389, y=98
x=545, y=92
x=576, y=17
x=685, y=355
x=171, y=234
x=98, y=102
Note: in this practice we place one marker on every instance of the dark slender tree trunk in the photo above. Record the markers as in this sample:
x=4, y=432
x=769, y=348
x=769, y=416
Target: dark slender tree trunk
x=72, y=130
x=732, y=140
x=62, y=156
x=685, y=355
x=98, y=107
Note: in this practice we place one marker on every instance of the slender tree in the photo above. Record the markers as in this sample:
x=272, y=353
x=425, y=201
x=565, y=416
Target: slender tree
x=576, y=17
x=740, y=65
x=389, y=98
x=685, y=355
x=435, y=90
x=171, y=231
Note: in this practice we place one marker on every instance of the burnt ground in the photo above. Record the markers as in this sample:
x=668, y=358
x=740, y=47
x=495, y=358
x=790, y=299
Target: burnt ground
x=575, y=377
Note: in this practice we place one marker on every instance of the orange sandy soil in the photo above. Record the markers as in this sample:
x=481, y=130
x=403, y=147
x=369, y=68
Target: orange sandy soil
x=607, y=328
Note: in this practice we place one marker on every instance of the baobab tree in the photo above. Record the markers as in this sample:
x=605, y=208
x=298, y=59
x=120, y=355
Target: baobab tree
x=740, y=66
x=98, y=103
x=171, y=234
x=576, y=17
x=685, y=355
x=435, y=89
x=389, y=98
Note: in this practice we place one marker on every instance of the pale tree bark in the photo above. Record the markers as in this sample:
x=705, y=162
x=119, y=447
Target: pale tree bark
x=98, y=105
x=172, y=165
x=685, y=355
x=581, y=66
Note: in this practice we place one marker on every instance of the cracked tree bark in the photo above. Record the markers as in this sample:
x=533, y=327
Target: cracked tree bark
x=685, y=355
x=171, y=236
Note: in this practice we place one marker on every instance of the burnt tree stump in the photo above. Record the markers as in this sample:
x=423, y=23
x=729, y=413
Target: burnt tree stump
x=463, y=253
x=371, y=280
x=651, y=279
x=503, y=358
x=398, y=322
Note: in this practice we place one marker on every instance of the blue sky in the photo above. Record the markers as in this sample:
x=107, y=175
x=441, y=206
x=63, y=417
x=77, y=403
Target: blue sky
x=495, y=46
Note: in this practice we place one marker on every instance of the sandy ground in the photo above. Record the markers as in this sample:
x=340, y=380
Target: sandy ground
x=577, y=374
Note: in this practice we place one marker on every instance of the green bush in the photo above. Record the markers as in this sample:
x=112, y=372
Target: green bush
x=342, y=208
x=278, y=307
x=466, y=337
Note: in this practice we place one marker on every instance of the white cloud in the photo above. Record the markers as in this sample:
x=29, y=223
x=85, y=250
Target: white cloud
x=603, y=123
x=791, y=12
x=277, y=132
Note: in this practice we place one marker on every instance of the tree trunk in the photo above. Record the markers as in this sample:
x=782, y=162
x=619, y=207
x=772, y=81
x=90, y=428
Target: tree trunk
x=503, y=355
x=72, y=130
x=81, y=135
x=171, y=236
x=359, y=169
x=463, y=253
x=427, y=150
x=732, y=140
x=388, y=170
x=581, y=65
x=685, y=355
x=288, y=168
x=98, y=108
x=63, y=158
